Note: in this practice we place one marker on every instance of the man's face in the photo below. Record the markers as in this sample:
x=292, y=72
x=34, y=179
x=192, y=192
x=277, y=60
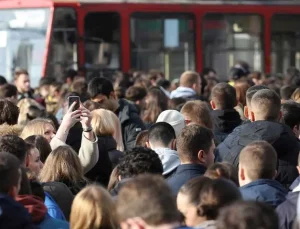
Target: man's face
x=109, y=103
x=23, y=83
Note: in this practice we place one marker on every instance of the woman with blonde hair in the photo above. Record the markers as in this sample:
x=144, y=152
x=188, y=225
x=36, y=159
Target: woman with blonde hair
x=296, y=95
x=63, y=165
x=93, y=208
x=108, y=130
x=88, y=152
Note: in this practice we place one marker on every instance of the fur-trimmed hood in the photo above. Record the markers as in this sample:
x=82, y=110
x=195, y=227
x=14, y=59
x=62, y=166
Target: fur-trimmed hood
x=6, y=129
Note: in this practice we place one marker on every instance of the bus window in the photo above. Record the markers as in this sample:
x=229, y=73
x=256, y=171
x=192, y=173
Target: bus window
x=102, y=40
x=285, y=42
x=228, y=38
x=23, y=41
x=164, y=42
x=63, y=47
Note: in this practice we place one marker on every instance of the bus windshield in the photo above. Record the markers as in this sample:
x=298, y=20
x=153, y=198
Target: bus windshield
x=23, y=41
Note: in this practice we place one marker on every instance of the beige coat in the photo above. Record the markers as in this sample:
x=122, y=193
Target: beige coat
x=88, y=152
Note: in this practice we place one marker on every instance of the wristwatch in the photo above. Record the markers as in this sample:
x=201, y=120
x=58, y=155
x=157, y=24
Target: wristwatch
x=87, y=129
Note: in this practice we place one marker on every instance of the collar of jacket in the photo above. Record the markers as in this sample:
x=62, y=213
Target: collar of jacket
x=125, y=108
x=185, y=167
x=262, y=182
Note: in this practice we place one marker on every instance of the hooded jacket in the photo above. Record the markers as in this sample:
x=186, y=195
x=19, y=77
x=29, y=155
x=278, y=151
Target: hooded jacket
x=264, y=190
x=225, y=121
x=169, y=159
x=38, y=213
x=279, y=135
x=287, y=211
x=131, y=123
x=13, y=215
x=183, y=92
x=53, y=209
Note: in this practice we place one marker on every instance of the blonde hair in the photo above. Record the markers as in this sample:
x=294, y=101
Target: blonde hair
x=105, y=122
x=296, y=95
x=62, y=164
x=93, y=208
x=36, y=127
x=24, y=105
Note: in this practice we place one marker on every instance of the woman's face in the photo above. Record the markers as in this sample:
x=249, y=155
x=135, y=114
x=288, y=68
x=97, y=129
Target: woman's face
x=49, y=132
x=34, y=162
x=188, y=210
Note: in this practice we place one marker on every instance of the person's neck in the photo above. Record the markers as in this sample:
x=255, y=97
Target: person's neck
x=192, y=163
x=164, y=226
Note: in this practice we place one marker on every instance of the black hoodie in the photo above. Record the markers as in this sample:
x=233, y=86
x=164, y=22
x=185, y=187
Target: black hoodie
x=225, y=121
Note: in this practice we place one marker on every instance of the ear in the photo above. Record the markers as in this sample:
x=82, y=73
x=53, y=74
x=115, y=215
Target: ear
x=173, y=144
x=298, y=168
x=119, y=178
x=280, y=115
x=246, y=112
x=201, y=156
x=13, y=192
x=112, y=95
x=148, y=145
x=242, y=174
x=194, y=86
x=27, y=160
x=213, y=105
x=275, y=174
x=252, y=116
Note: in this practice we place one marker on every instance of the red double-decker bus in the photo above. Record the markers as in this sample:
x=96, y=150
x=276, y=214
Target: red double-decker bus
x=48, y=36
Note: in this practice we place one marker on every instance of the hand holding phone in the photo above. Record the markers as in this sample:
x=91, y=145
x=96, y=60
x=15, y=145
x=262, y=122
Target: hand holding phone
x=71, y=100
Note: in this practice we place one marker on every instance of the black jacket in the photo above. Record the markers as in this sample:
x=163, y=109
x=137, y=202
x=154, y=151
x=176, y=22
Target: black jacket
x=131, y=123
x=62, y=196
x=225, y=121
x=108, y=155
x=183, y=174
x=279, y=135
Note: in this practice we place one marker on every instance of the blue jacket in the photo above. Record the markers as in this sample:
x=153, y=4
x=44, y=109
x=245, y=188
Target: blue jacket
x=13, y=215
x=279, y=135
x=53, y=209
x=264, y=190
x=183, y=174
x=287, y=211
x=50, y=223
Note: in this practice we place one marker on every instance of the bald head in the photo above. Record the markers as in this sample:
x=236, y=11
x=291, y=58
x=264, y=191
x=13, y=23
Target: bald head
x=265, y=105
x=190, y=79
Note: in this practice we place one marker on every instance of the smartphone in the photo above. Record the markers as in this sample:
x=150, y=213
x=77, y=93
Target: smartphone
x=73, y=99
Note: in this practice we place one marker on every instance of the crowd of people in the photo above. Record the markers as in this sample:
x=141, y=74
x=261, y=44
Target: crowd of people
x=138, y=151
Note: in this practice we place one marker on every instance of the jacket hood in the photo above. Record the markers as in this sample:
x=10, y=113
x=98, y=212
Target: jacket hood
x=6, y=129
x=226, y=120
x=35, y=207
x=108, y=142
x=183, y=92
x=264, y=190
x=169, y=159
x=295, y=184
x=126, y=110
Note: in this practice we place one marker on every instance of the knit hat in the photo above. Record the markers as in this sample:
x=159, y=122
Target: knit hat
x=174, y=118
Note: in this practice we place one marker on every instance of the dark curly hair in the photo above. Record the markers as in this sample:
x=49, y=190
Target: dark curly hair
x=139, y=160
x=9, y=112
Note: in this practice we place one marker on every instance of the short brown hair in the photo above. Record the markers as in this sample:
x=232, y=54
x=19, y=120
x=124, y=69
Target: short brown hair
x=8, y=91
x=241, y=88
x=142, y=138
x=259, y=158
x=9, y=112
x=223, y=170
x=198, y=112
x=147, y=197
x=266, y=104
x=10, y=172
x=20, y=72
x=189, y=78
x=224, y=96
x=135, y=93
x=191, y=140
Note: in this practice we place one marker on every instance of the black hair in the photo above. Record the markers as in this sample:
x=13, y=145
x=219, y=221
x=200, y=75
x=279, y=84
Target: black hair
x=71, y=73
x=46, y=81
x=8, y=91
x=41, y=144
x=14, y=145
x=139, y=160
x=164, y=83
x=161, y=132
x=291, y=113
x=3, y=80
x=206, y=71
x=286, y=92
x=99, y=85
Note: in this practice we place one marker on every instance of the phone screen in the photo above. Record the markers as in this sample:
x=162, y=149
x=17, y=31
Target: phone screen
x=73, y=99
